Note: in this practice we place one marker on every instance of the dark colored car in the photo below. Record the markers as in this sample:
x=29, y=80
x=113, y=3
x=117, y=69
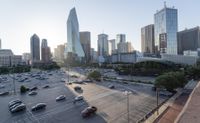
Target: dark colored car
x=4, y=93
x=33, y=89
x=46, y=86
x=76, y=88
x=18, y=108
x=88, y=111
x=39, y=106
x=111, y=86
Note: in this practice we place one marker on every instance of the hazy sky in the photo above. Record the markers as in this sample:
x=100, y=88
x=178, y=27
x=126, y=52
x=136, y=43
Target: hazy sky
x=20, y=19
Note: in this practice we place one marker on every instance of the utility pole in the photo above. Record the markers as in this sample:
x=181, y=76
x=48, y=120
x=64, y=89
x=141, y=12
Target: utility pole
x=128, y=106
x=157, y=99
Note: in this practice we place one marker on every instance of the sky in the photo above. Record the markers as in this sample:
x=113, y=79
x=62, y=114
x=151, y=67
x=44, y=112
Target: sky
x=20, y=19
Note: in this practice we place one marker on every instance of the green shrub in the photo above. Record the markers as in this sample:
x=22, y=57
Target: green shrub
x=23, y=89
x=96, y=75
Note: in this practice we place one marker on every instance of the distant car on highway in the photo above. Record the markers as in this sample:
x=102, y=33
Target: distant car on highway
x=61, y=97
x=38, y=106
x=32, y=93
x=88, y=111
x=18, y=108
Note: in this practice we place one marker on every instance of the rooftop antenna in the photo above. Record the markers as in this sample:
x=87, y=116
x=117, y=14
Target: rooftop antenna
x=165, y=6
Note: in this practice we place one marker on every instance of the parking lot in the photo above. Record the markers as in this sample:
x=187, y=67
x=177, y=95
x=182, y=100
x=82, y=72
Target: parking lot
x=111, y=103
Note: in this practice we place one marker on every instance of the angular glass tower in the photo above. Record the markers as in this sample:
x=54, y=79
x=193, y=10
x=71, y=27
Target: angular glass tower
x=166, y=27
x=73, y=37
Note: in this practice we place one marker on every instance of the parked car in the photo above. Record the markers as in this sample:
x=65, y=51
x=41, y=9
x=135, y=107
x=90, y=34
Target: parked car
x=15, y=105
x=111, y=86
x=78, y=98
x=76, y=88
x=13, y=102
x=46, y=86
x=61, y=97
x=88, y=111
x=33, y=88
x=4, y=93
x=2, y=86
x=38, y=106
x=32, y=93
x=18, y=108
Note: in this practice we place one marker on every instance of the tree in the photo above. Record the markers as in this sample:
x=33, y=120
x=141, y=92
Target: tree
x=23, y=89
x=96, y=75
x=171, y=81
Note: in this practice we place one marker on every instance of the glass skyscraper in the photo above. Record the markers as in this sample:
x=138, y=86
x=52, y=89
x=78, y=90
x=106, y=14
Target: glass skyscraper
x=73, y=36
x=166, y=27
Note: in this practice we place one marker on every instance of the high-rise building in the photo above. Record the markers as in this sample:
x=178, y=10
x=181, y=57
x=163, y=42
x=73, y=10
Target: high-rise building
x=166, y=27
x=147, y=39
x=113, y=46
x=59, y=53
x=94, y=55
x=45, y=51
x=73, y=37
x=35, y=48
x=26, y=57
x=188, y=39
x=119, y=39
x=86, y=44
x=103, y=48
x=124, y=47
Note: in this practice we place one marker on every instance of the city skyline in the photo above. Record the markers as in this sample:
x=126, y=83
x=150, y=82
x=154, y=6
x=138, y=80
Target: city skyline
x=51, y=23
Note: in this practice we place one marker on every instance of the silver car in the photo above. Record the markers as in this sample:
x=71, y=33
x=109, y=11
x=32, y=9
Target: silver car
x=20, y=107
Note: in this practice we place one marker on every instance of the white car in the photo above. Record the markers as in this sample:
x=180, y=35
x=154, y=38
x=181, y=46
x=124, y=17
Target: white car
x=78, y=98
x=32, y=93
x=61, y=97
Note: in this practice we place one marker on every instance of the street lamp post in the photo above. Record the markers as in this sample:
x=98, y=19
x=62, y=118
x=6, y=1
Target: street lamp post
x=157, y=99
x=127, y=96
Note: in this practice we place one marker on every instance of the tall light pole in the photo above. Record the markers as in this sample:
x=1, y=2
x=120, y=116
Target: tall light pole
x=127, y=93
x=157, y=99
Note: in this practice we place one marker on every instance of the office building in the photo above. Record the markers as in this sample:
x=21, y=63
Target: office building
x=188, y=39
x=94, y=55
x=166, y=27
x=45, y=52
x=112, y=46
x=26, y=57
x=103, y=45
x=8, y=59
x=120, y=38
x=73, y=38
x=85, y=40
x=35, y=48
x=124, y=47
x=59, y=53
x=147, y=39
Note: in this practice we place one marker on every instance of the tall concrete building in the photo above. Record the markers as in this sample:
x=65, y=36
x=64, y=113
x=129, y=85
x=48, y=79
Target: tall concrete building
x=113, y=46
x=26, y=57
x=119, y=39
x=188, y=39
x=147, y=39
x=35, y=48
x=124, y=47
x=166, y=27
x=59, y=53
x=103, y=47
x=45, y=51
x=86, y=44
x=73, y=38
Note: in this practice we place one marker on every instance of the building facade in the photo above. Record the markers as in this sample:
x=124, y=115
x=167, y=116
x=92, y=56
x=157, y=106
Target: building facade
x=59, y=53
x=45, y=52
x=188, y=39
x=26, y=57
x=85, y=39
x=113, y=46
x=147, y=39
x=8, y=59
x=103, y=48
x=35, y=48
x=73, y=38
x=124, y=47
x=166, y=27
